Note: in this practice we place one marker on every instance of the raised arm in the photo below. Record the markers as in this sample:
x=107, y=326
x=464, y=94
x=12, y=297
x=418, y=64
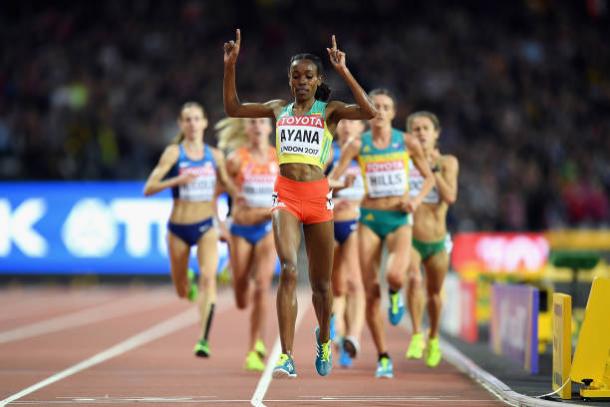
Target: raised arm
x=223, y=176
x=233, y=107
x=446, y=175
x=349, y=151
x=419, y=160
x=364, y=108
x=155, y=182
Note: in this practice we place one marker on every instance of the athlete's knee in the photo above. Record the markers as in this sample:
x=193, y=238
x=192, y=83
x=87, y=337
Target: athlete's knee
x=354, y=287
x=434, y=297
x=433, y=289
x=321, y=287
x=289, y=272
x=373, y=292
x=207, y=281
x=395, y=280
x=261, y=285
x=339, y=289
x=414, y=280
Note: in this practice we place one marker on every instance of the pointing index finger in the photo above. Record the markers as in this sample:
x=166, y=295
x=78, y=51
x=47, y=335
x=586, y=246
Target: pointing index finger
x=238, y=36
x=334, y=40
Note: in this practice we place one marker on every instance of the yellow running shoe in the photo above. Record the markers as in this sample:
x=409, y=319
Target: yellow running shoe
x=259, y=347
x=202, y=349
x=193, y=291
x=416, y=347
x=433, y=353
x=254, y=363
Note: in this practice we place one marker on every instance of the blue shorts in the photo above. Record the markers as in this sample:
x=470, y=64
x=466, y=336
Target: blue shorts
x=191, y=233
x=345, y=228
x=252, y=233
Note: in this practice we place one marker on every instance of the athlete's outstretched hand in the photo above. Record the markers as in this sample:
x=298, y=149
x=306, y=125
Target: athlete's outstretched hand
x=337, y=57
x=232, y=48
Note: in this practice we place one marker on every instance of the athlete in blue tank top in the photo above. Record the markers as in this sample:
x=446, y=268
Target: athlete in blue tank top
x=348, y=303
x=191, y=170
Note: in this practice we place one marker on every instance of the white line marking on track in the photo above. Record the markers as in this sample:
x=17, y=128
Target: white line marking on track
x=161, y=400
x=265, y=380
x=164, y=328
x=85, y=317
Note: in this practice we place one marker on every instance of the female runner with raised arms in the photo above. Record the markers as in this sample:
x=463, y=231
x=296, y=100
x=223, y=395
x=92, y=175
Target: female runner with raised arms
x=304, y=129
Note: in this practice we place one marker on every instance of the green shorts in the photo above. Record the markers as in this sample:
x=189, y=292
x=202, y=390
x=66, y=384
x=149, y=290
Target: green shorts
x=384, y=222
x=428, y=249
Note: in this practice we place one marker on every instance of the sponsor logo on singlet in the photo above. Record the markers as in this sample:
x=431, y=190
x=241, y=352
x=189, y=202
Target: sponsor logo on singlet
x=301, y=135
x=385, y=178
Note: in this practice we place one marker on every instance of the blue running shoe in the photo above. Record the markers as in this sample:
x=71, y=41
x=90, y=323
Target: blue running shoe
x=324, y=358
x=344, y=359
x=333, y=331
x=284, y=367
x=396, y=309
x=385, y=369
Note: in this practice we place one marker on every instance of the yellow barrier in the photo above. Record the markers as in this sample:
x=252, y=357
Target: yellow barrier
x=571, y=239
x=590, y=365
x=562, y=344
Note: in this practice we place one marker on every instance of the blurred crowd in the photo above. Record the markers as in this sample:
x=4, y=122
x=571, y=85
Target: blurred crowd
x=522, y=88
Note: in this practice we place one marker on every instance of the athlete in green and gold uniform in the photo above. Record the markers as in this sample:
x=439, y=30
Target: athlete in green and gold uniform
x=429, y=237
x=383, y=154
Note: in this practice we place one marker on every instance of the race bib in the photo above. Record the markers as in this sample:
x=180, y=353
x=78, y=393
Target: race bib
x=257, y=190
x=416, y=182
x=356, y=191
x=202, y=187
x=301, y=135
x=385, y=178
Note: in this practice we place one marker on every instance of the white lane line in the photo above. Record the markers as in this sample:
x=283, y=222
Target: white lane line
x=85, y=317
x=265, y=380
x=407, y=401
x=164, y=328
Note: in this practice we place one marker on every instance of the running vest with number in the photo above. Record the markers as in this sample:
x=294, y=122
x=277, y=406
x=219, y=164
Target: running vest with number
x=256, y=180
x=416, y=181
x=385, y=171
x=202, y=187
x=356, y=191
x=303, y=139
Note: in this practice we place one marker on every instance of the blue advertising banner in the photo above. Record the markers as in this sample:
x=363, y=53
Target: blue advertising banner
x=514, y=323
x=85, y=227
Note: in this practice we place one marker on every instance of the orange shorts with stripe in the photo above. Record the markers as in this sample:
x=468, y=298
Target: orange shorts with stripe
x=310, y=201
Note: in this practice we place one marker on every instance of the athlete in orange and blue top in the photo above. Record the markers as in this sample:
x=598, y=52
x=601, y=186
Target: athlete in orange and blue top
x=254, y=169
x=302, y=196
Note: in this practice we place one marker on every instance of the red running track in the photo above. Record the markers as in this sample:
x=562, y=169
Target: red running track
x=81, y=347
